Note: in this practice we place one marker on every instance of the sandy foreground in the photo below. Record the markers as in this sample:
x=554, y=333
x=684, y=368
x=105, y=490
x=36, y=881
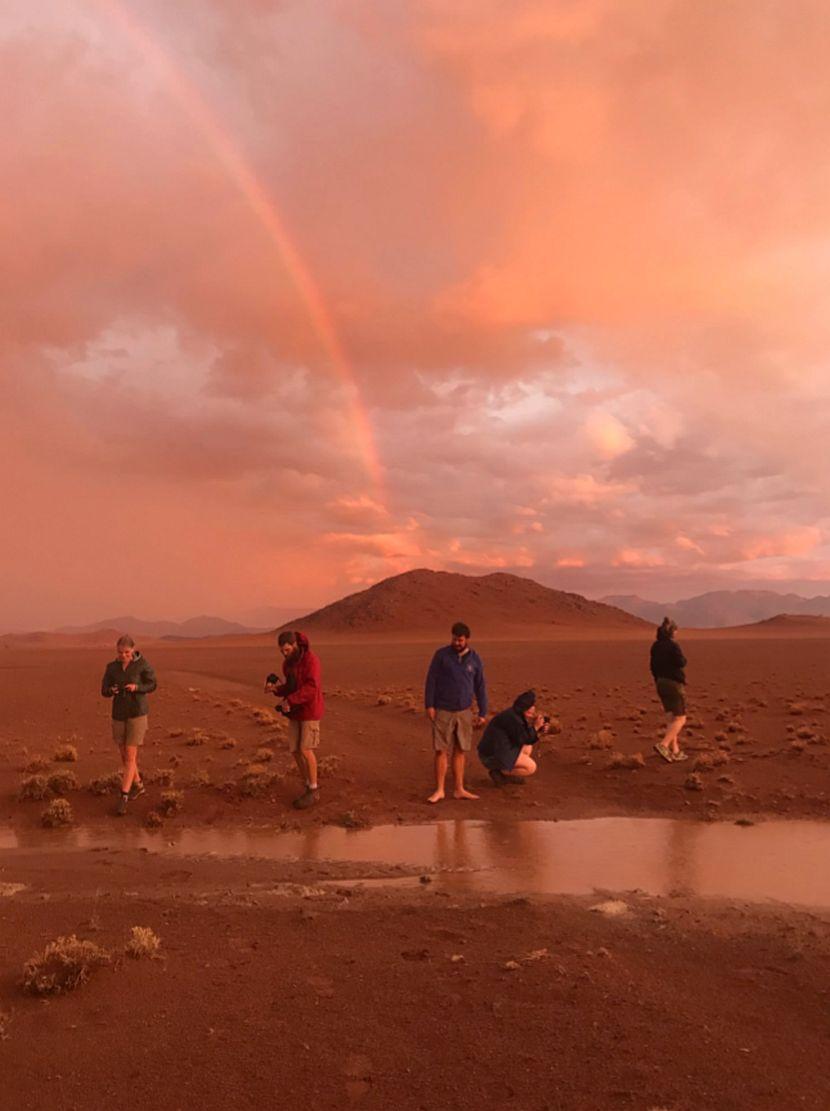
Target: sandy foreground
x=289, y=982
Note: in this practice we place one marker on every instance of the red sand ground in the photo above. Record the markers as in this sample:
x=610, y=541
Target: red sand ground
x=274, y=995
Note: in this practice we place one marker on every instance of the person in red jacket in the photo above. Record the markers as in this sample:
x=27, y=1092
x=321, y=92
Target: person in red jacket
x=302, y=703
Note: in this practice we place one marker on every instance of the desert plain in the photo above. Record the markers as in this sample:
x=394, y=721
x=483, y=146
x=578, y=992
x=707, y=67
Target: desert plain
x=308, y=959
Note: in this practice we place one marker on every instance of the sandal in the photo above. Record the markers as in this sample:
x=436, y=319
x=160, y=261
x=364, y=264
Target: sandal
x=679, y=757
x=661, y=750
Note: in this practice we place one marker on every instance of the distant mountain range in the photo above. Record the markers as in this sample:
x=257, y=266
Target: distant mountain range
x=422, y=600
x=722, y=608
x=203, y=626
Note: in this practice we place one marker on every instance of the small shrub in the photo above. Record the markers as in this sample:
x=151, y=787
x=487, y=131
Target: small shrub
x=64, y=965
x=37, y=764
x=175, y=732
x=229, y=743
x=620, y=760
x=57, y=813
x=693, y=782
x=263, y=755
x=153, y=820
x=66, y=754
x=256, y=781
x=383, y=700
x=105, y=784
x=61, y=783
x=327, y=765
x=196, y=738
x=162, y=777
x=200, y=778
x=34, y=787
x=171, y=803
x=143, y=943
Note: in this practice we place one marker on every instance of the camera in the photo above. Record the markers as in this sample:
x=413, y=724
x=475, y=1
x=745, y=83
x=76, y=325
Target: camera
x=546, y=719
x=272, y=679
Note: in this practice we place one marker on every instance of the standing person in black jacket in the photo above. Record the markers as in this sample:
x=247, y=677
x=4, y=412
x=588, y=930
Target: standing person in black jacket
x=667, y=667
x=507, y=743
x=128, y=679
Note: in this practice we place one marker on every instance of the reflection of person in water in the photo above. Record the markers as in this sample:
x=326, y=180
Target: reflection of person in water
x=506, y=746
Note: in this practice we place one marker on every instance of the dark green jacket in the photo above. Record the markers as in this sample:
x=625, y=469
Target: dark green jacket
x=129, y=704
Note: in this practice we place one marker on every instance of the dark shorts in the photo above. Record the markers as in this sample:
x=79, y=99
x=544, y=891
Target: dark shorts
x=672, y=696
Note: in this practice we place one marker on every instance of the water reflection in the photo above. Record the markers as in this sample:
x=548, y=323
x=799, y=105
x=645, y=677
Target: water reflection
x=780, y=860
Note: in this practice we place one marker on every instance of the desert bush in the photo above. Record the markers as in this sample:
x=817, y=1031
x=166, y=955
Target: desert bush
x=603, y=738
x=66, y=754
x=62, y=782
x=383, y=700
x=64, y=965
x=34, y=787
x=693, y=782
x=197, y=737
x=175, y=732
x=171, y=803
x=105, y=784
x=620, y=760
x=57, y=813
x=36, y=764
x=328, y=764
x=143, y=943
x=256, y=780
x=200, y=778
x=229, y=743
x=264, y=755
x=153, y=820
x=162, y=777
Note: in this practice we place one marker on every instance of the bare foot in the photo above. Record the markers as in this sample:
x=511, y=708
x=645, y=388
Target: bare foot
x=463, y=793
x=436, y=796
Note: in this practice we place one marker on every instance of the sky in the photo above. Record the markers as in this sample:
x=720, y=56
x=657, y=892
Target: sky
x=298, y=294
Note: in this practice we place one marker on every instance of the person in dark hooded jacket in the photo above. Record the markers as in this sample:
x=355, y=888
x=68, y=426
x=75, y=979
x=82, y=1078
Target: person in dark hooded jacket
x=301, y=696
x=507, y=743
x=667, y=664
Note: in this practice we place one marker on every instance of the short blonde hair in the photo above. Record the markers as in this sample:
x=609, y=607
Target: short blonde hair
x=125, y=641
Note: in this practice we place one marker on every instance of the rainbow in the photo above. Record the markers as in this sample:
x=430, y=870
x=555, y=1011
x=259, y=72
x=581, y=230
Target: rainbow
x=264, y=208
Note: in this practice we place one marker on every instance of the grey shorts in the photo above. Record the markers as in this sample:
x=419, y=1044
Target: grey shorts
x=451, y=728
x=672, y=696
x=131, y=731
x=303, y=734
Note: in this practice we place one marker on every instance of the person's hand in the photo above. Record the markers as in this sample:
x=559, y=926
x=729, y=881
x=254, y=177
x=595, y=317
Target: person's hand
x=479, y=722
x=132, y=687
x=541, y=725
x=431, y=713
x=270, y=688
x=113, y=690
x=286, y=706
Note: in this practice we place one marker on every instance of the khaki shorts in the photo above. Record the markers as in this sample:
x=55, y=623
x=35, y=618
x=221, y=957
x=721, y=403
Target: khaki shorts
x=129, y=732
x=452, y=727
x=303, y=734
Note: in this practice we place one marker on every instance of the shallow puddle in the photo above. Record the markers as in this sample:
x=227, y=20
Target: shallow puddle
x=785, y=861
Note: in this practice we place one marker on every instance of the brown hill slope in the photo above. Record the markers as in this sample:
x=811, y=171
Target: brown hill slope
x=422, y=600
x=793, y=624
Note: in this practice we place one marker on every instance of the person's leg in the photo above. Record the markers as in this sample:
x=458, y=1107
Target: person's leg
x=525, y=764
x=308, y=737
x=130, y=761
x=440, y=776
x=462, y=736
x=311, y=768
x=459, y=758
x=673, y=729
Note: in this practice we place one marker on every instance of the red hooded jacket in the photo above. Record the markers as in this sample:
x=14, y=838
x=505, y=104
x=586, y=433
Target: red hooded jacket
x=302, y=689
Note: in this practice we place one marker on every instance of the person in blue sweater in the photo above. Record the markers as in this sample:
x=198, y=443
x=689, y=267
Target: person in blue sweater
x=455, y=679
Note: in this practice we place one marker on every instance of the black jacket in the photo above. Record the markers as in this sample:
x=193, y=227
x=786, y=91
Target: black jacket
x=504, y=737
x=129, y=704
x=667, y=660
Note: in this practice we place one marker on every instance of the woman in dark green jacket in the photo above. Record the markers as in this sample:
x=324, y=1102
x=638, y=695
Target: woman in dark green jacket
x=127, y=680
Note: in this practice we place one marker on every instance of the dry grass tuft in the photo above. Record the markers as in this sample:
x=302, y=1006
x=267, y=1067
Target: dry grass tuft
x=153, y=820
x=229, y=743
x=37, y=764
x=264, y=755
x=329, y=764
x=256, y=781
x=61, y=783
x=171, y=803
x=34, y=787
x=57, y=813
x=105, y=784
x=620, y=760
x=143, y=943
x=64, y=965
x=200, y=778
x=175, y=732
x=197, y=737
x=161, y=777
x=66, y=754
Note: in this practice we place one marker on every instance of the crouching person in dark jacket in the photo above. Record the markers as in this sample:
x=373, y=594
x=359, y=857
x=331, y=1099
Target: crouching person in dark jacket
x=507, y=743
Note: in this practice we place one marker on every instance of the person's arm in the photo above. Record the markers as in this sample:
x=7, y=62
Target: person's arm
x=431, y=684
x=308, y=689
x=107, y=684
x=480, y=687
x=147, y=680
x=679, y=658
x=651, y=663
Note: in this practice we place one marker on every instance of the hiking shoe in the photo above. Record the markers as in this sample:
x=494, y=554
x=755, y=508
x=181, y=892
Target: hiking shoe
x=498, y=777
x=121, y=809
x=136, y=791
x=306, y=799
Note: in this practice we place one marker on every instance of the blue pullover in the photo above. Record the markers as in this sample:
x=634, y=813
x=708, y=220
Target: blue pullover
x=452, y=680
